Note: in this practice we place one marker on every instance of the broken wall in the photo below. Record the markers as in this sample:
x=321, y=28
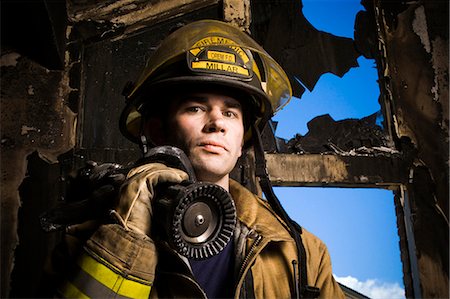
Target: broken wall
x=45, y=97
x=415, y=39
x=36, y=127
x=409, y=41
x=35, y=119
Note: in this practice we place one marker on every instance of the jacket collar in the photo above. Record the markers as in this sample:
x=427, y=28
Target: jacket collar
x=257, y=214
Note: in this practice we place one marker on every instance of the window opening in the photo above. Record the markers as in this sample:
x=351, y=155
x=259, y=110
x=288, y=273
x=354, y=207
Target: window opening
x=359, y=228
x=355, y=96
x=352, y=97
x=358, y=225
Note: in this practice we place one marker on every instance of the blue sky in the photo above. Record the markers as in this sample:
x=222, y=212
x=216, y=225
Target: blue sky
x=358, y=225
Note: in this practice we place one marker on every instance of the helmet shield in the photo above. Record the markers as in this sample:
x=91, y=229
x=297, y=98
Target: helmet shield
x=208, y=52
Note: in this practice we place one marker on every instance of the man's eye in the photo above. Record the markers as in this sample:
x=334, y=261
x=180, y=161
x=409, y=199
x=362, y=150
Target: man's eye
x=194, y=109
x=230, y=114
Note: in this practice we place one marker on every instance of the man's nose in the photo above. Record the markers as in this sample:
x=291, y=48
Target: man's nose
x=216, y=121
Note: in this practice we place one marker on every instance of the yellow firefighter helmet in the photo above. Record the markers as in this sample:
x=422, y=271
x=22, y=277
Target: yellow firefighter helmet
x=207, y=53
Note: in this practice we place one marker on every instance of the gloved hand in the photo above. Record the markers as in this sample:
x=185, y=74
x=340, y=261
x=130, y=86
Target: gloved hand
x=119, y=257
x=93, y=176
x=90, y=194
x=134, y=209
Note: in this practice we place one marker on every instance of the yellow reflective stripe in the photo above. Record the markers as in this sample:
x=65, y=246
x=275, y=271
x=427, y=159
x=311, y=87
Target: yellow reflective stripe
x=218, y=66
x=133, y=288
x=109, y=267
x=71, y=291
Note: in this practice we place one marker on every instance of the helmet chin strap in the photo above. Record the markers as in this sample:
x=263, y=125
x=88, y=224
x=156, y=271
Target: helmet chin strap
x=143, y=144
x=302, y=290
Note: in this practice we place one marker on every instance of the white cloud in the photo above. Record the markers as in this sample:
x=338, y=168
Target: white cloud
x=373, y=288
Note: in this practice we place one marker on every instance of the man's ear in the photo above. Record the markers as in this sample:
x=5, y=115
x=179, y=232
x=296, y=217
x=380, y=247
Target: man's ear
x=153, y=130
x=242, y=146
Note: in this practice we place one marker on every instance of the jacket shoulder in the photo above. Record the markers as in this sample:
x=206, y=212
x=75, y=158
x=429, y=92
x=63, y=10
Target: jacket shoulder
x=256, y=213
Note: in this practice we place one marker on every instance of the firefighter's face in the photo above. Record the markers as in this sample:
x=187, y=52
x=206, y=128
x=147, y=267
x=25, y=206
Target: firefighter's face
x=209, y=128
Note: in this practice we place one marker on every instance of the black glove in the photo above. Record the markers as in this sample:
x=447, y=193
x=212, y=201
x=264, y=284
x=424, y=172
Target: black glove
x=89, y=196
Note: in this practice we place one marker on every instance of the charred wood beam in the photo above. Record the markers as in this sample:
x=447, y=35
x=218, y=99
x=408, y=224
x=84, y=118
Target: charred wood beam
x=290, y=170
x=118, y=19
x=237, y=12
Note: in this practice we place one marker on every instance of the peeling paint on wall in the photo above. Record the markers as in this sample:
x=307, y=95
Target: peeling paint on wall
x=30, y=90
x=237, y=12
x=34, y=119
x=26, y=130
x=439, y=60
x=420, y=27
x=9, y=59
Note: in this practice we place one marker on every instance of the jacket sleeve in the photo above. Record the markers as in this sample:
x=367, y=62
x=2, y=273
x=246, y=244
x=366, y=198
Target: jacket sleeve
x=320, y=272
x=119, y=260
x=113, y=262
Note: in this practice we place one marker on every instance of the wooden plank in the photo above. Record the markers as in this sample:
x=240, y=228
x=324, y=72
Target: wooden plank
x=336, y=171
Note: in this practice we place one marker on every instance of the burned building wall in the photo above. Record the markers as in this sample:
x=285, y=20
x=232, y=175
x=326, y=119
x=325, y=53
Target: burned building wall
x=417, y=59
x=410, y=44
x=36, y=127
x=44, y=76
x=416, y=85
x=409, y=41
x=35, y=119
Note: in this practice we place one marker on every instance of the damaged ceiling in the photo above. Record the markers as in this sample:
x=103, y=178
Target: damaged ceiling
x=304, y=52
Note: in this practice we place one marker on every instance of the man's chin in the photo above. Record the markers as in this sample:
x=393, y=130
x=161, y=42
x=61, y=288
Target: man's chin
x=204, y=157
x=210, y=169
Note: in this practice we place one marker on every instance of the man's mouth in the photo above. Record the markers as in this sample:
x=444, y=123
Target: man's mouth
x=212, y=146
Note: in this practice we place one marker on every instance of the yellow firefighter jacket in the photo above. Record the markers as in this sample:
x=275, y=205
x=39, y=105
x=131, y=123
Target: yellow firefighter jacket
x=120, y=262
x=270, y=251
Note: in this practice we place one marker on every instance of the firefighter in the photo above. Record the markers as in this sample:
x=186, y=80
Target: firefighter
x=208, y=89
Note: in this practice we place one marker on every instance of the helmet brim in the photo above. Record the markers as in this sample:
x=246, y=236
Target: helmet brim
x=256, y=100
